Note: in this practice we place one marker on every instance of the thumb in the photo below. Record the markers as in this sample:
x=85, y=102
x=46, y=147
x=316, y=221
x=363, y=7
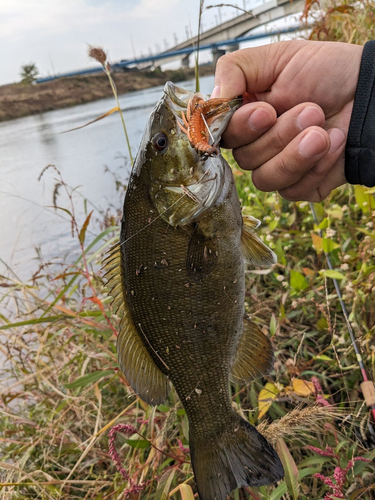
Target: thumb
x=251, y=70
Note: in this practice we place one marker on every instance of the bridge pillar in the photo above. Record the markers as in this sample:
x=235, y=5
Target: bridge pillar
x=232, y=48
x=216, y=54
x=185, y=61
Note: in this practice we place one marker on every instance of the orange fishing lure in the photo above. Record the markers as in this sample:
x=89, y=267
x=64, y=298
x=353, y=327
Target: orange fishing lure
x=198, y=113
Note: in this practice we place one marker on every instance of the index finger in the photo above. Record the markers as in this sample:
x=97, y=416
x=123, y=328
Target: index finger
x=251, y=70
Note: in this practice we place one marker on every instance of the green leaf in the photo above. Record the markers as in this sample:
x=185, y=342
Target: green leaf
x=335, y=213
x=164, y=485
x=332, y=273
x=47, y=319
x=297, y=280
x=322, y=323
x=319, y=210
x=163, y=408
x=290, y=469
x=61, y=208
x=265, y=398
x=281, y=490
x=365, y=200
x=138, y=443
x=273, y=325
x=88, y=379
x=323, y=357
x=329, y=245
x=324, y=223
x=82, y=232
x=367, y=270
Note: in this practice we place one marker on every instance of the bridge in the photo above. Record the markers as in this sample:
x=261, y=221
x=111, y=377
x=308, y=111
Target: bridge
x=242, y=24
x=226, y=36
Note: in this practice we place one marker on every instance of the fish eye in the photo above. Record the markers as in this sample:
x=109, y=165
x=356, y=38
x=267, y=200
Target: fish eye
x=160, y=142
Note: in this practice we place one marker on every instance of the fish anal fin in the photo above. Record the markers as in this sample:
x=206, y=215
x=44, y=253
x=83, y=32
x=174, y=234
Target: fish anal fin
x=202, y=255
x=140, y=370
x=255, y=252
x=254, y=356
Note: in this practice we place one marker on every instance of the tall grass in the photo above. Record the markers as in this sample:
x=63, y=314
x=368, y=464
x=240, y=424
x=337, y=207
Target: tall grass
x=62, y=390
x=63, y=395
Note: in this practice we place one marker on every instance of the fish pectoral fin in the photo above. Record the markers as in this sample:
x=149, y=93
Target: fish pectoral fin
x=255, y=252
x=254, y=357
x=202, y=255
x=140, y=370
x=250, y=222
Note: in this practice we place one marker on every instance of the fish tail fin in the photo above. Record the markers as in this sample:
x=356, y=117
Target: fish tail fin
x=241, y=456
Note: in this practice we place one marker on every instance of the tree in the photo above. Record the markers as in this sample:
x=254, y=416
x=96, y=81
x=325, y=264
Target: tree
x=29, y=72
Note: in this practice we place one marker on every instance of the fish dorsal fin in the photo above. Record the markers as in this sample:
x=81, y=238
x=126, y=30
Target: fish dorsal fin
x=255, y=252
x=254, y=357
x=136, y=362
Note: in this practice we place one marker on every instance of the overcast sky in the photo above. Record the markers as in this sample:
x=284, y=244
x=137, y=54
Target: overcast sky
x=54, y=34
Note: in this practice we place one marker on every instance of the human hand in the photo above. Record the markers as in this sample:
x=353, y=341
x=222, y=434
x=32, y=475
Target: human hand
x=292, y=130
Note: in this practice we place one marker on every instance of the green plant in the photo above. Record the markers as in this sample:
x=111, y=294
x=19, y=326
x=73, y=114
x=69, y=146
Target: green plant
x=29, y=73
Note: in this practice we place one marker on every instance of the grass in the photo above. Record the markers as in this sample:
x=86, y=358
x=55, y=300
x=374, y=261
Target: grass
x=62, y=391
x=67, y=414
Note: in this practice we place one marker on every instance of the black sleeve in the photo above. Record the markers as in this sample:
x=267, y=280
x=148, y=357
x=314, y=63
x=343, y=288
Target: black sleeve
x=360, y=145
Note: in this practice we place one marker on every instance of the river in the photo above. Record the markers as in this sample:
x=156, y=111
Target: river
x=31, y=229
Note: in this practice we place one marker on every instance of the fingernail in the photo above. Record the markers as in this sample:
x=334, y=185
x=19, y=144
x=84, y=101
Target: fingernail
x=215, y=92
x=313, y=144
x=309, y=116
x=337, y=137
x=260, y=119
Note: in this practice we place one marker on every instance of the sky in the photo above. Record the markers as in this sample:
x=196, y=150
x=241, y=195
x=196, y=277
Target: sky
x=54, y=34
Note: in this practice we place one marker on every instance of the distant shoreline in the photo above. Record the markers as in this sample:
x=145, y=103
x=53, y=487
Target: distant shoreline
x=17, y=100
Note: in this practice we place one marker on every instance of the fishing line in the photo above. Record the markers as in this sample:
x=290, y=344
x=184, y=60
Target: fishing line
x=166, y=210
x=367, y=386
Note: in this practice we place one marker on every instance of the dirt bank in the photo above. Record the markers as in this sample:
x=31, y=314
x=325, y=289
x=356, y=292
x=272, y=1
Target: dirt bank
x=19, y=100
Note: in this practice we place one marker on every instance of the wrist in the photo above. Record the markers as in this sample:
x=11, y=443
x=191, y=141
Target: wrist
x=360, y=146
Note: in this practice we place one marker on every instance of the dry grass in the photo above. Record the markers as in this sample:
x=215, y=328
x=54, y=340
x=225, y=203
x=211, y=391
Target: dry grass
x=61, y=390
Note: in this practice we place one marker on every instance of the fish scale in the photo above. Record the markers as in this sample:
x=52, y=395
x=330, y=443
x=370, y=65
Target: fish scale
x=168, y=310
x=178, y=278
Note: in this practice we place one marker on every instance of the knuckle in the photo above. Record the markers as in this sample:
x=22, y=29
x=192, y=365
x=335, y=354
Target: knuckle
x=286, y=167
x=292, y=194
x=243, y=158
x=317, y=172
x=280, y=142
x=260, y=182
x=223, y=61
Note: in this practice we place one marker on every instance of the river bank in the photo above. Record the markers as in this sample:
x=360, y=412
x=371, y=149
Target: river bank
x=18, y=100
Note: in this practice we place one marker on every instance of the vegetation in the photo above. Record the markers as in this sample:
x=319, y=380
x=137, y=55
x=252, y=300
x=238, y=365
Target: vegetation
x=347, y=21
x=63, y=390
x=29, y=73
x=71, y=428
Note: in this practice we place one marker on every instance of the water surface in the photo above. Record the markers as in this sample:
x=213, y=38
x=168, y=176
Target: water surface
x=30, y=225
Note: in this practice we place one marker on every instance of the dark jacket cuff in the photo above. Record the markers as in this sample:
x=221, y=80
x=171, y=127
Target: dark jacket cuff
x=360, y=145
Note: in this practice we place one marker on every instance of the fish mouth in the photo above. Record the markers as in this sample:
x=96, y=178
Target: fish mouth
x=177, y=100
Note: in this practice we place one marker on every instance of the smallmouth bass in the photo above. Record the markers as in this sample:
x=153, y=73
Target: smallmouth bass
x=177, y=278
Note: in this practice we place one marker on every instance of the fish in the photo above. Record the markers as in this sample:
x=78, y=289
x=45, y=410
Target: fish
x=177, y=278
